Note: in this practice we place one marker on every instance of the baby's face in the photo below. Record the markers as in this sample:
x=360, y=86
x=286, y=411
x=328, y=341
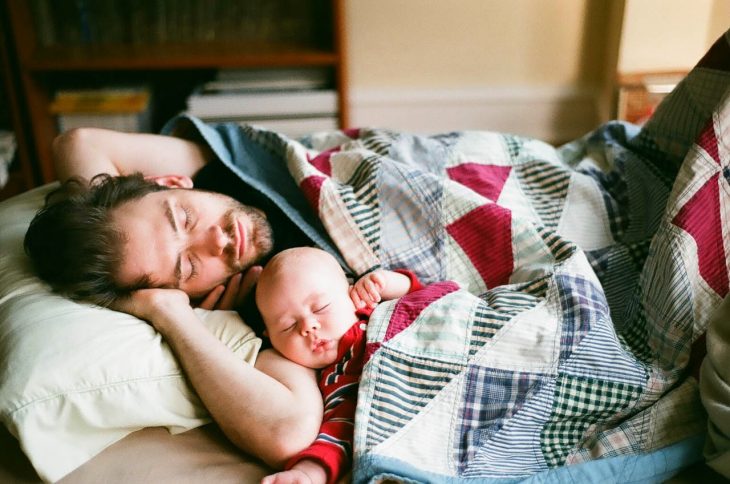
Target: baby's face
x=306, y=308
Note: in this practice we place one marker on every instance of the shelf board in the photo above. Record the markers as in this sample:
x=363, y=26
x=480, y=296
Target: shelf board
x=176, y=56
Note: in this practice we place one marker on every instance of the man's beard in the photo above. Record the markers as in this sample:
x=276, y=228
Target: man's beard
x=260, y=238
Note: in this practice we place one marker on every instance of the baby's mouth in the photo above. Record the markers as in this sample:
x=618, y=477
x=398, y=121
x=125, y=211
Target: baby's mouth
x=321, y=345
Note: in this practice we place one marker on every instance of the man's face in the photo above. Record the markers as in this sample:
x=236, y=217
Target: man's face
x=189, y=239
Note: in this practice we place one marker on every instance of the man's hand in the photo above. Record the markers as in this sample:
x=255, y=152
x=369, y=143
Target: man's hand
x=304, y=472
x=234, y=292
x=156, y=306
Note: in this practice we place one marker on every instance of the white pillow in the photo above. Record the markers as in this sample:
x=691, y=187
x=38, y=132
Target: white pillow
x=76, y=378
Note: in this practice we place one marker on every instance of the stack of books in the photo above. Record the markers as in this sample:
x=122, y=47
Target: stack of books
x=293, y=102
x=145, y=22
x=121, y=109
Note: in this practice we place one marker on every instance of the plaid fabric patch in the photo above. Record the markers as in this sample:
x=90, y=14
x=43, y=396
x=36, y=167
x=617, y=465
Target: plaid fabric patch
x=424, y=257
x=615, y=199
x=677, y=415
x=678, y=120
x=580, y=403
x=411, y=224
x=634, y=332
x=491, y=397
x=610, y=443
x=615, y=266
x=668, y=303
x=582, y=304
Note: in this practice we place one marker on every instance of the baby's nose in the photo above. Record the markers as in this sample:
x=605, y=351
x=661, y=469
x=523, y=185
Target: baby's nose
x=309, y=325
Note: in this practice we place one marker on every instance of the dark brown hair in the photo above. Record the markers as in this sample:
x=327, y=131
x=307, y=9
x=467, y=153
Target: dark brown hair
x=72, y=242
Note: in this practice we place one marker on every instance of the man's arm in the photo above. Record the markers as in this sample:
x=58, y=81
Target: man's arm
x=86, y=152
x=272, y=413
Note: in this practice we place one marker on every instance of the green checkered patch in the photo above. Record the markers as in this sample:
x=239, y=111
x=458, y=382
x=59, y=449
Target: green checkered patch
x=579, y=403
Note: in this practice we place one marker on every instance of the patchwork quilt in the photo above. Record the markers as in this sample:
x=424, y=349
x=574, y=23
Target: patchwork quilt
x=566, y=287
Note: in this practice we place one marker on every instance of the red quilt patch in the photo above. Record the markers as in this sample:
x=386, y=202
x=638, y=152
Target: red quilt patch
x=485, y=235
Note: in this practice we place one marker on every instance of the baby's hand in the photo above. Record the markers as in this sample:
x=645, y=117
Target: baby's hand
x=304, y=472
x=367, y=290
x=287, y=477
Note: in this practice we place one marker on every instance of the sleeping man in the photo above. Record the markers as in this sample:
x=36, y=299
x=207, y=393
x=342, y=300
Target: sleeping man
x=152, y=246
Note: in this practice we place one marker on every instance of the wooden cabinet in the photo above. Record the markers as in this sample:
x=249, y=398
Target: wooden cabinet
x=46, y=57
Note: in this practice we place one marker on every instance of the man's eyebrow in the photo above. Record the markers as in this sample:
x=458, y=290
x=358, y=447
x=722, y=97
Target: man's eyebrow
x=173, y=222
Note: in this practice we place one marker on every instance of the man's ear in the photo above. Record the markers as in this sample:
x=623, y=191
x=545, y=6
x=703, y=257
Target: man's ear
x=172, y=181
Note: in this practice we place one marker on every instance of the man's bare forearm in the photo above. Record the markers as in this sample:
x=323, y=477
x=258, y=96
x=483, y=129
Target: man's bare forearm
x=86, y=152
x=261, y=415
x=273, y=413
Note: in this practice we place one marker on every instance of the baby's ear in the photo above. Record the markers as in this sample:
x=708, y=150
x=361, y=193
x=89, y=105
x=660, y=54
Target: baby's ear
x=266, y=333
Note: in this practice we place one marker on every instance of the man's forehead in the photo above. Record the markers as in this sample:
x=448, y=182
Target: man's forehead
x=147, y=253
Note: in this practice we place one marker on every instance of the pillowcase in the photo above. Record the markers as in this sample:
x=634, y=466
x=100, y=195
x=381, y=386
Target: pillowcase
x=75, y=378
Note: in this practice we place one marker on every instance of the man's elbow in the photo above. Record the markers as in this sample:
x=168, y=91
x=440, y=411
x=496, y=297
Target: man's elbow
x=279, y=443
x=298, y=436
x=64, y=147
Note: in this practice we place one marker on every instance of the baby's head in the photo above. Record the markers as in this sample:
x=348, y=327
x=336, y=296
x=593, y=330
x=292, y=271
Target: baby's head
x=303, y=297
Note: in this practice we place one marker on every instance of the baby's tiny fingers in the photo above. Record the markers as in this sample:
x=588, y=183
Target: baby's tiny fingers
x=373, y=292
x=356, y=298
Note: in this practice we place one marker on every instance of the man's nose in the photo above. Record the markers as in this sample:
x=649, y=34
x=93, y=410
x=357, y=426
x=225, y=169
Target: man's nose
x=212, y=241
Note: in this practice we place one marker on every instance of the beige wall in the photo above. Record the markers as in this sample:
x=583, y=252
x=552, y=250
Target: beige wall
x=669, y=34
x=719, y=19
x=466, y=43
x=542, y=68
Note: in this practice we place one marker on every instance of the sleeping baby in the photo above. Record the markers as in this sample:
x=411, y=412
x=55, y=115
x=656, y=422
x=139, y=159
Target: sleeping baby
x=316, y=319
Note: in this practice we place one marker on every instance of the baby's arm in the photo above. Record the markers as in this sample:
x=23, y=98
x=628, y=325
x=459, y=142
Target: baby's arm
x=379, y=285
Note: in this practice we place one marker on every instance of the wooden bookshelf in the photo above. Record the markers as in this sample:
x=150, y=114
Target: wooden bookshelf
x=21, y=175
x=311, y=34
x=177, y=56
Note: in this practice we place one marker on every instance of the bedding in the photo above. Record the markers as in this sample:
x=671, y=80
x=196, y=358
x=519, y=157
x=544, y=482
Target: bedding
x=568, y=287
x=567, y=290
